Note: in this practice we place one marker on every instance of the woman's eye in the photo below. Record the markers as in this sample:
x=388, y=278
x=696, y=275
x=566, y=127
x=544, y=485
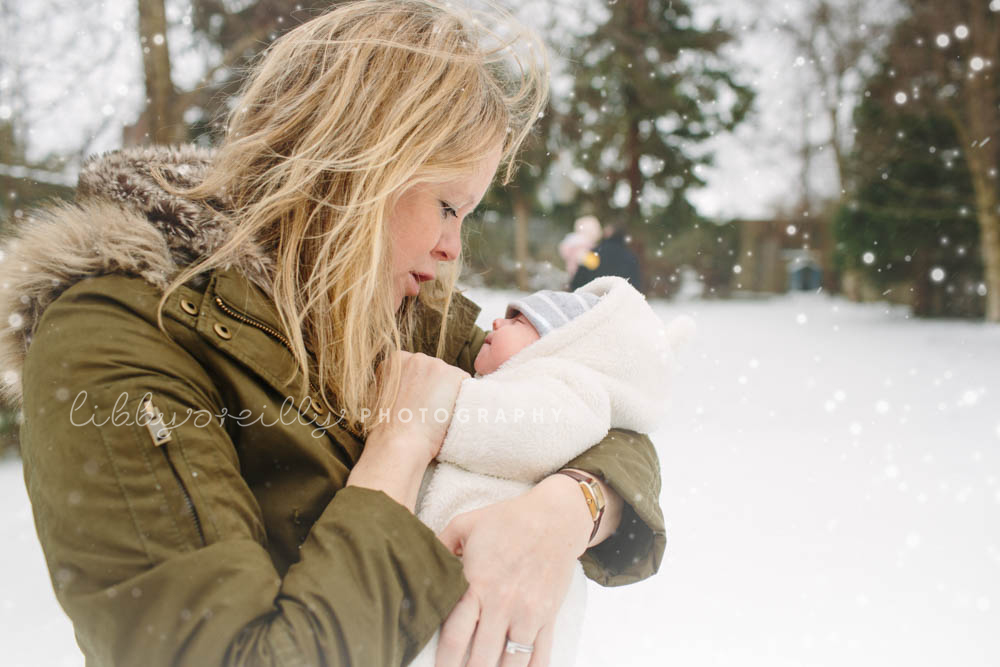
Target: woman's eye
x=447, y=210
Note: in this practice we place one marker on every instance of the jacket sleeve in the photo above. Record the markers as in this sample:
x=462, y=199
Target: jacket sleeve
x=625, y=460
x=159, y=555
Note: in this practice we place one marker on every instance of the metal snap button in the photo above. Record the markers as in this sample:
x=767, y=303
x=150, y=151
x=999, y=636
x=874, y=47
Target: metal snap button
x=223, y=331
x=189, y=307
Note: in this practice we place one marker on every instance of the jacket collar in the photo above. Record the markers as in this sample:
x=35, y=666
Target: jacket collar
x=122, y=222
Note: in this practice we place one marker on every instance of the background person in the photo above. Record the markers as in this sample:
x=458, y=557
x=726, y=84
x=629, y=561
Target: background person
x=577, y=244
x=611, y=257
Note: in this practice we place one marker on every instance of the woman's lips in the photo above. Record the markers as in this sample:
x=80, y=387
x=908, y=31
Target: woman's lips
x=412, y=285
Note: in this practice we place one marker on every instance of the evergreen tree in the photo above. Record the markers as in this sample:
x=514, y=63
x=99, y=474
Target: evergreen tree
x=910, y=219
x=650, y=87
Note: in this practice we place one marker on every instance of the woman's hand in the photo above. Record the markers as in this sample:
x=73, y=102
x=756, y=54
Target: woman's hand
x=397, y=451
x=518, y=556
x=428, y=388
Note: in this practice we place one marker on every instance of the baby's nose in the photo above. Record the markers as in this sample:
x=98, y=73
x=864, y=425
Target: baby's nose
x=497, y=322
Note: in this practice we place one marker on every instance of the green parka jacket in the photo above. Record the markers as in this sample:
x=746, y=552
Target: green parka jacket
x=221, y=532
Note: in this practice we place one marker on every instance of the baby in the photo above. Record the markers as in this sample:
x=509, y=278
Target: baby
x=555, y=374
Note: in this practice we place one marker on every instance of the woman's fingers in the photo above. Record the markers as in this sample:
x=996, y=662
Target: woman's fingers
x=522, y=632
x=422, y=407
x=457, y=632
x=489, y=640
x=542, y=655
x=451, y=537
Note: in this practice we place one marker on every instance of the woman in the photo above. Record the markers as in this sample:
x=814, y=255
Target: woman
x=181, y=337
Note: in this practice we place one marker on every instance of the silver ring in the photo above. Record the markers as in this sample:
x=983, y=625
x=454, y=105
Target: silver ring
x=515, y=647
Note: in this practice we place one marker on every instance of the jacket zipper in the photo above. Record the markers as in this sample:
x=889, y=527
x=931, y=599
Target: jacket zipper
x=161, y=436
x=235, y=314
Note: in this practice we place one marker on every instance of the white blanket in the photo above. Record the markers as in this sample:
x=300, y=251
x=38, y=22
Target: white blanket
x=607, y=368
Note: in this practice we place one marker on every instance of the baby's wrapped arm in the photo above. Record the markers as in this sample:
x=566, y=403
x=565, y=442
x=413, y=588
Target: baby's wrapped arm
x=526, y=423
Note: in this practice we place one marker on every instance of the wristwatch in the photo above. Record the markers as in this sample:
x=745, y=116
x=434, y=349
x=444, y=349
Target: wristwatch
x=592, y=493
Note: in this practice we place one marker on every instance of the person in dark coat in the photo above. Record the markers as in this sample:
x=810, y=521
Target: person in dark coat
x=611, y=257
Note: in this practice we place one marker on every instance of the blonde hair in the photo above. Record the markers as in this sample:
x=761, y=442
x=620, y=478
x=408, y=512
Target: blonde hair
x=339, y=117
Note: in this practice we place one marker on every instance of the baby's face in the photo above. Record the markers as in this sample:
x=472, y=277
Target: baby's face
x=509, y=336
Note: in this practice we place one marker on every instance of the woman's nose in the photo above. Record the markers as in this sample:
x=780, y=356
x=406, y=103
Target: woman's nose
x=450, y=243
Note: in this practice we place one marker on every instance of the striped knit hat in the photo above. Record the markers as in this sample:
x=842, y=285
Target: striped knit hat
x=547, y=310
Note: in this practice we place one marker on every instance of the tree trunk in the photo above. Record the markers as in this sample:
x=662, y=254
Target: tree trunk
x=633, y=151
x=164, y=121
x=989, y=235
x=522, y=213
x=637, y=21
x=975, y=130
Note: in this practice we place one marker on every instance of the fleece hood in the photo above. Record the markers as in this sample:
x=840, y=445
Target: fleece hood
x=628, y=349
x=122, y=221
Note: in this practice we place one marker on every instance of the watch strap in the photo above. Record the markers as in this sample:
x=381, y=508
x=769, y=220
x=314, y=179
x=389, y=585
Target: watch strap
x=592, y=494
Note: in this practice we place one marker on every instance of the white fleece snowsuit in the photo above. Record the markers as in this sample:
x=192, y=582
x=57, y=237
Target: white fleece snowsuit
x=607, y=368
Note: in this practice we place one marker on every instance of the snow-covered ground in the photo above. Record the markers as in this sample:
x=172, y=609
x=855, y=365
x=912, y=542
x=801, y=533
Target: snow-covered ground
x=830, y=482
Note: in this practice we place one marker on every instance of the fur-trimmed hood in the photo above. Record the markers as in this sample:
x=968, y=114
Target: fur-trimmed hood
x=122, y=221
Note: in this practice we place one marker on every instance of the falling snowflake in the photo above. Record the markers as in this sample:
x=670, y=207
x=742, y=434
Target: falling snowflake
x=937, y=274
x=969, y=397
x=943, y=40
x=977, y=64
x=961, y=32
x=901, y=97
x=868, y=258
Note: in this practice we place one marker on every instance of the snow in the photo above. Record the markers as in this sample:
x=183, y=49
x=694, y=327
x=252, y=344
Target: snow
x=830, y=484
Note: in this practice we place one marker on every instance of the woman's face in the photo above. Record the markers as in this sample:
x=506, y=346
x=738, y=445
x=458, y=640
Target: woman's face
x=425, y=225
x=510, y=335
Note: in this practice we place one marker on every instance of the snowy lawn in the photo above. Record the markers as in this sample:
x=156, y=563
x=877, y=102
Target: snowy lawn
x=830, y=482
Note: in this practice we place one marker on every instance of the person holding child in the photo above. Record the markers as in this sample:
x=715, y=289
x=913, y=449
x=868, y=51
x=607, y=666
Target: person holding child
x=312, y=257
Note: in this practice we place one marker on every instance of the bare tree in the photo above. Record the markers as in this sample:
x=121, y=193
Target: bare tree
x=235, y=32
x=839, y=41
x=164, y=121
